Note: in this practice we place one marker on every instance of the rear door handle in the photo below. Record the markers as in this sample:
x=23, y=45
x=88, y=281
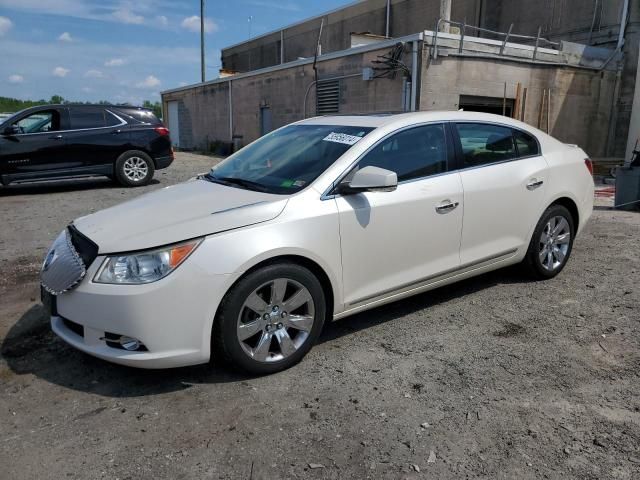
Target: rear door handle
x=56, y=137
x=447, y=206
x=533, y=184
x=116, y=132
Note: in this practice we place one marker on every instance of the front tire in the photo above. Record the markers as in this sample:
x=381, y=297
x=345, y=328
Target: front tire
x=551, y=244
x=270, y=319
x=134, y=169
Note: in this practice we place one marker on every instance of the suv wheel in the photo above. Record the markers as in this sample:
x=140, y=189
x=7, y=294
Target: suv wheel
x=270, y=319
x=134, y=169
x=551, y=243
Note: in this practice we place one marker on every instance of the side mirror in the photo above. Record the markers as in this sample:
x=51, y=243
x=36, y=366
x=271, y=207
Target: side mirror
x=370, y=179
x=11, y=130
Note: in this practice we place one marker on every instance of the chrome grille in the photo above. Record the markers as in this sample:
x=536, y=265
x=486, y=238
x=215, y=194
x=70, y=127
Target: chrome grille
x=62, y=268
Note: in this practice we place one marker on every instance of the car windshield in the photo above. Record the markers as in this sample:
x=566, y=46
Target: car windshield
x=287, y=160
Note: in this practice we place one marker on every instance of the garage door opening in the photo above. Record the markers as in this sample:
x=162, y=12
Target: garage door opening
x=470, y=103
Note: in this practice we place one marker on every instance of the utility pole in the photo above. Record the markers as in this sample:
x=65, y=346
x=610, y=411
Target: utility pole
x=202, y=65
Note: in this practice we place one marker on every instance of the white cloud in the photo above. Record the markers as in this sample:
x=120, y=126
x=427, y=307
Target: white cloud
x=16, y=78
x=114, y=62
x=125, y=15
x=5, y=25
x=162, y=20
x=149, y=82
x=65, y=37
x=87, y=89
x=193, y=24
x=93, y=74
x=60, y=72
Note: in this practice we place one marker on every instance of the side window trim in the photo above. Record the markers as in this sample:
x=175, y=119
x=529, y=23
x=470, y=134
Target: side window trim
x=330, y=192
x=65, y=121
x=460, y=154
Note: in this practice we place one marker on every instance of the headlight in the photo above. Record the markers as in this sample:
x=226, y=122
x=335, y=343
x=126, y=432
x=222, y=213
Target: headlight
x=144, y=267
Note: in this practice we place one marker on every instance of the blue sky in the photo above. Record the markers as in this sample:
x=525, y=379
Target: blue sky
x=126, y=50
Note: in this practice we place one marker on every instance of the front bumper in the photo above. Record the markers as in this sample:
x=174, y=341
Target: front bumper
x=172, y=317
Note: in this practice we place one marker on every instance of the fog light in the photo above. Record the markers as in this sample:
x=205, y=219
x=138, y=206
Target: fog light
x=129, y=343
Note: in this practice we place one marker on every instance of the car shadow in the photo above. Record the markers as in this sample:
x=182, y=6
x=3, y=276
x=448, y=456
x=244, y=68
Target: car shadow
x=62, y=186
x=31, y=348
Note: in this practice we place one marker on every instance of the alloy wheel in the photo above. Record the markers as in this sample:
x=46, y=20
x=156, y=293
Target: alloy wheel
x=135, y=169
x=554, y=243
x=275, y=320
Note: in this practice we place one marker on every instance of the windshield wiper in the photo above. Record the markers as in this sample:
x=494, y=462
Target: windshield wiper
x=241, y=182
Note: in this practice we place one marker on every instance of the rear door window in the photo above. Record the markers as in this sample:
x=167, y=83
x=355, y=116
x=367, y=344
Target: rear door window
x=86, y=118
x=483, y=144
x=414, y=153
x=527, y=145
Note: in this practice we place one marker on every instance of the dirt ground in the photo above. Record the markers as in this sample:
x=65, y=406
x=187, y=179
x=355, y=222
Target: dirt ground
x=495, y=377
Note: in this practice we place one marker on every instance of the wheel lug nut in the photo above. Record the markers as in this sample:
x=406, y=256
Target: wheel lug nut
x=280, y=325
x=266, y=316
x=276, y=308
x=283, y=314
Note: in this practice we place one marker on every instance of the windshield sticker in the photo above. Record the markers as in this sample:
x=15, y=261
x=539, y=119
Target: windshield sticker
x=342, y=138
x=299, y=183
x=287, y=183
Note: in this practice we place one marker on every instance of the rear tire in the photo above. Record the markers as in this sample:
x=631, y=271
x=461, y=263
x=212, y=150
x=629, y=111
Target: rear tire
x=134, y=169
x=551, y=243
x=270, y=319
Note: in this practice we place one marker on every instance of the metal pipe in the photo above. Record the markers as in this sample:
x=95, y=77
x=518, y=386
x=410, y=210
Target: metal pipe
x=388, y=29
x=281, y=47
x=623, y=24
x=202, y=67
x=231, y=110
x=535, y=50
x=506, y=39
x=414, y=77
x=593, y=21
x=445, y=14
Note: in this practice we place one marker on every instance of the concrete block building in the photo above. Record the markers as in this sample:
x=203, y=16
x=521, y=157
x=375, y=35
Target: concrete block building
x=566, y=66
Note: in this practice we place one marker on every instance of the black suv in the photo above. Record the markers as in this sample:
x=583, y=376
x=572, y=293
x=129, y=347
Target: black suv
x=69, y=141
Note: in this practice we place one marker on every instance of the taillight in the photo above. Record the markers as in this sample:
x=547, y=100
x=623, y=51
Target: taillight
x=162, y=131
x=589, y=164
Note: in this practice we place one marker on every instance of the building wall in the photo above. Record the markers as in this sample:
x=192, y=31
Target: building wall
x=408, y=17
x=580, y=99
x=204, y=110
x=571, y=20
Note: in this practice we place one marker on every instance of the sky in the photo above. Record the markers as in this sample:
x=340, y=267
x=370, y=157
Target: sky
x=127, y=51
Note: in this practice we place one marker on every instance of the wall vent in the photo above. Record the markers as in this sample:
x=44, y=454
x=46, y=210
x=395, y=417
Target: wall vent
x=328, y=97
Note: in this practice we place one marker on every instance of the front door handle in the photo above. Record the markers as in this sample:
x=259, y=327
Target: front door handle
x=533, y=184
x=447, y=206
x=56, y=137
x=116, y=132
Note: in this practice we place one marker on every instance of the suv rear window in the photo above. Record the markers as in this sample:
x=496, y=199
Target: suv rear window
x=139, y=114
x=86, y=118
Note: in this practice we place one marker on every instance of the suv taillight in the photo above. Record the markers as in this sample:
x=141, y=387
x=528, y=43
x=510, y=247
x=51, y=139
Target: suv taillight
x=162, y=131
x=589, y=164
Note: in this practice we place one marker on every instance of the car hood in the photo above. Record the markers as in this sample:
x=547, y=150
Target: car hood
x=180, y=212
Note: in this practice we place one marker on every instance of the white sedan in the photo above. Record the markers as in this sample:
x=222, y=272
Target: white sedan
x=316, y=221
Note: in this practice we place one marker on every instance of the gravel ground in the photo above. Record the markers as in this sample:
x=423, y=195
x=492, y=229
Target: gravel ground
x=495, y=377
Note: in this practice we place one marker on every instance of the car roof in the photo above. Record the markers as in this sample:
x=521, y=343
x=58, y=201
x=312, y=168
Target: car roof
x=385, y=119
x=85, y=105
